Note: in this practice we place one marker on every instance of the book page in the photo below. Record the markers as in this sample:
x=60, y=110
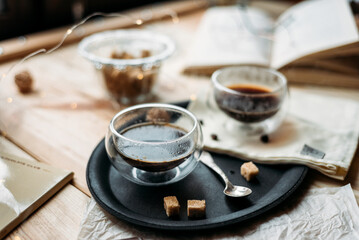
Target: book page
x=310, y=27
x=228, y=35
x=24, y=186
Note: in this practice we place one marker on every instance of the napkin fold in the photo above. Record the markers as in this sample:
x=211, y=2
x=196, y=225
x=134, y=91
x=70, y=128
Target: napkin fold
x=320, y=213
x=318, y=131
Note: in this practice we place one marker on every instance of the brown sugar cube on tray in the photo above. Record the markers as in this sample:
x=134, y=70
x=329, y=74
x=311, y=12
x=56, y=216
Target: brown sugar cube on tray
x=249, y=170
x=171, y=206
x=196, y=208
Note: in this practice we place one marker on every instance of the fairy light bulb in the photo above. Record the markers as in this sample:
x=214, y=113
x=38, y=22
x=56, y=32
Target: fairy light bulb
x=175, y=19
x=140, y=76
x=73, y=105
x=139, y=21
x=3, y=76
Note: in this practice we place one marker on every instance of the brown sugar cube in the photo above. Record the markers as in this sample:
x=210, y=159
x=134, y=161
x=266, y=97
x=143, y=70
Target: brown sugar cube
x=196, y=208
x=24, y=81
x=171, y=205
x=145, y=53
x=130, y=82
x=249, y=170
x=121, y=55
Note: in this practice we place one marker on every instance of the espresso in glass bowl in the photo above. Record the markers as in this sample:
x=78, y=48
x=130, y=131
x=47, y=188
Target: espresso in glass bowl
x=253, y=96
x=152, y=158
x=154, y=144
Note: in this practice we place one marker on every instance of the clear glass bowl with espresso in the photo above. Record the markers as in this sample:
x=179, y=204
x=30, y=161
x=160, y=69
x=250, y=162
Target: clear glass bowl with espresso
x=251, y=95
x=154, y=144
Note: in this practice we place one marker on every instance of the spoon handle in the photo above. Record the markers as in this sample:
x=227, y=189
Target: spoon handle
x=207, y=159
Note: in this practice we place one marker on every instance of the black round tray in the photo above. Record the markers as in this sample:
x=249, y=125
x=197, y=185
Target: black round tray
x=143, y=205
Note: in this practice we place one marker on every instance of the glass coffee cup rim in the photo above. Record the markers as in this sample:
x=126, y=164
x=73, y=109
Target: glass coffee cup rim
x=282, y=78
x=153, y=105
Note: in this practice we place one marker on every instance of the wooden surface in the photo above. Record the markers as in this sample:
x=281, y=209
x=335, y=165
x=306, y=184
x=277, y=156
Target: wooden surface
x=68, y=114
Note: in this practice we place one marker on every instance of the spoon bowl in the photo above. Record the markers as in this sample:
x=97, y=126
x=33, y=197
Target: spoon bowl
x=236, y=191
x=230, y=189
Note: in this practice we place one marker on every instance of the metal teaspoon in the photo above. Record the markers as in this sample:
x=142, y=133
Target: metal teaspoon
x=230, y=189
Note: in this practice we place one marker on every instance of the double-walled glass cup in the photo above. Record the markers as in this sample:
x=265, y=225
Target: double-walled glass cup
x=154, y=144
x=255, y=97
x=128, y=61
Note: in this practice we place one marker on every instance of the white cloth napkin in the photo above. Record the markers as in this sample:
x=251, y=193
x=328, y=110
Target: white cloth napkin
x=328, y=125
x=322, y=213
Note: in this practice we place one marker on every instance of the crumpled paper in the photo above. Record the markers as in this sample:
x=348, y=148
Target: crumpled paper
x=320, y=213
x=327, y=124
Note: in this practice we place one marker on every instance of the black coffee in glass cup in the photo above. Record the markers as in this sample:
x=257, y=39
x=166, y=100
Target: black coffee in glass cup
x=154, y=144
x=253, y=96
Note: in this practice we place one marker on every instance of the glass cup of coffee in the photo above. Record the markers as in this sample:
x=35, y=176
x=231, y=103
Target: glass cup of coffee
x=253, y=96
x=154, y=144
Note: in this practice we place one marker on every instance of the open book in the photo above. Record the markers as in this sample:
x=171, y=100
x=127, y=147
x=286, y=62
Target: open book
x=24, y=186
x=312, y=42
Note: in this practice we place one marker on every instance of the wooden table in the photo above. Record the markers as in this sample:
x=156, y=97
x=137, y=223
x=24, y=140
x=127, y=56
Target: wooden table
x=68, y=114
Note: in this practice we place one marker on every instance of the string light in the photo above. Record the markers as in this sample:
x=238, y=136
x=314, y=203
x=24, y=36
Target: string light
x=193, y=97
x=140, y=76
x=139, y=21
x=69, y=31
x=175, y=19
x=146, y=15
x=172, y=14
x=73, y=105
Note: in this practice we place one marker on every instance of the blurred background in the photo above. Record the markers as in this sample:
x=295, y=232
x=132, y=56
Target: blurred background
x=20, y=17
